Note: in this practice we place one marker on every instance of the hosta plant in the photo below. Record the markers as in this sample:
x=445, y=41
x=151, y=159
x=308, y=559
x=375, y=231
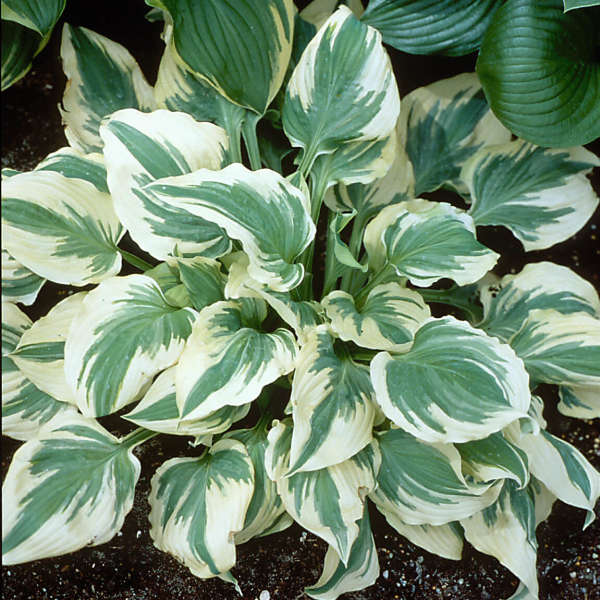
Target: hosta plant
x=258, y=262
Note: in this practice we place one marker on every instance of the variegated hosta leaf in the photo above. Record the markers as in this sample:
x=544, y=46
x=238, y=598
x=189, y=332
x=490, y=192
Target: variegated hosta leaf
x=541, y=194
x=495, y=457
x=63, y=229
x=361, y=571
x=562, y=469
x=7, y=172
x=301, y=315
x=506, y=530
x=68, y=488
x=327, y=502
x=142, y=147
x=202, y=279
x=342, y=89
x=228, y=360
x=542, y=285
x=38, y=15
x=332, y=400
x=367, y=199
x=388, y=319
x=261, y=209
x=421, y=483
x=178, y=89
x=40, y=352
x=19, y=284
x=444, y=540
x=265, y=509
x=73, y=164
x=427, y=241
x=124, y=334
x=158, y=411
x=558, y=348
x=356, y=162
x=450, y=27
x=444, y=124
x=198, y=504
x=240, y=47
x=582, y=402
x=455, y=384
x=102, y=77
x=25, y=408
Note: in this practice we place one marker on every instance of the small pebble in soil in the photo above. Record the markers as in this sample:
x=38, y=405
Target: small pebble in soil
x=264, y=595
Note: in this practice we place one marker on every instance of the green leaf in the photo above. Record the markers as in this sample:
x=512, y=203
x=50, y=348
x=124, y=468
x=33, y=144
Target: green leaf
x=19, y=284
x=506, y=530
x=332, y=398
x=25, y=408
x=542, y=195
x=266, y=509
x=441, y=396
x=40, y=351
x=420, y=483
x=102, y=78
x=450, y=27
x=563, y=470
x=340, y=250
x=228, y=360
x=39, y=15
x=242, y=48
x=544, y=285
x=61, y=228
x=19, y=46
x=444, y=124
x=158, y=411
x=140, y=148
x=494, y=457
x=197, y=504
x=66, y=489
x=427, y=241
x=124, y=335
x=361, y=571
x=327, y=502
x=544, y=83
x=329, y=101
x=261, y=209
x=75, y=165
x=559, y=348
x=388, y=319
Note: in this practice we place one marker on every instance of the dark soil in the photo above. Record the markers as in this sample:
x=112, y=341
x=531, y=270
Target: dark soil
x=280, y=566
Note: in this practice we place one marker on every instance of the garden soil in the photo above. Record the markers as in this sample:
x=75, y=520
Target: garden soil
x=280, y=566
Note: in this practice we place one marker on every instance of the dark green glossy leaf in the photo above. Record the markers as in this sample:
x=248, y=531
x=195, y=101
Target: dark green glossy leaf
x=451, y=27
x=541, y=74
